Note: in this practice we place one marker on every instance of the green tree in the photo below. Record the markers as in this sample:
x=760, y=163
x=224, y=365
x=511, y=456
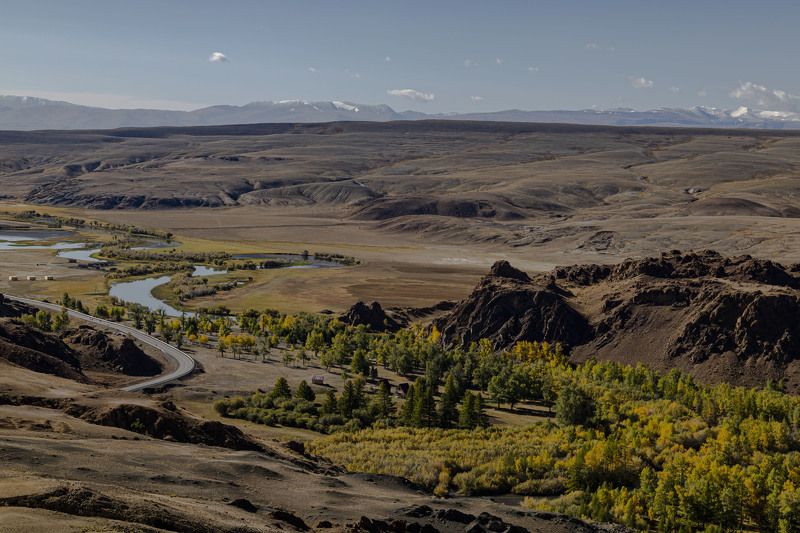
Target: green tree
x=305, y=392
x=448, y=403
x=61, y=320
x=150, y=323
x=352, y=397
x=281, y=389
x=424, y=404
x=315, y=341
x=467, y=416
x=407, y=409
x=384, y=405
x=330, y=405
x=574, y=406
x=360, y=363
x=44, y=321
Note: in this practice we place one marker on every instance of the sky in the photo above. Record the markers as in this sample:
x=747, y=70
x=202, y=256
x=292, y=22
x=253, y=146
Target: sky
x=432, y=56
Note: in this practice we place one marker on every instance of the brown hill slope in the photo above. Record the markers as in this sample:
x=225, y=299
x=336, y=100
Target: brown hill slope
x=719, y=318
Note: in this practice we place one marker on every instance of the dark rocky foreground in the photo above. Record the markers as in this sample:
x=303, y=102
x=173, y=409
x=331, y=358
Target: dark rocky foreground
x=720, y=318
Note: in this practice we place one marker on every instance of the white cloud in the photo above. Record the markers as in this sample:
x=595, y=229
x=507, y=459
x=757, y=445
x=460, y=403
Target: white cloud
x=388, y=59
x=702, y=93
x=675, y=89
x=596, y=46
x=412, y=94
x=218, y=57
x=312, y=69
x=533, y=69
x=476, y=98
x=766, y=98
x=498, y=60
x=640, y=82
x=470, y=63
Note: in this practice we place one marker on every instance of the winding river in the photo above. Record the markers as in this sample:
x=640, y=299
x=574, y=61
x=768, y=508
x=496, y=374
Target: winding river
x=139, y=291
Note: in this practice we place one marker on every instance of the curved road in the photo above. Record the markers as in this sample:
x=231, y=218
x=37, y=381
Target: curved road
x=184, y=363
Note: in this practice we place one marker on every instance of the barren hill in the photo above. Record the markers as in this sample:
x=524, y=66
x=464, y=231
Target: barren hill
x=511, y=184
x=718, y=318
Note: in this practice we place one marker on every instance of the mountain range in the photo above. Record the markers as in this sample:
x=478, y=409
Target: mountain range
x=29, y=113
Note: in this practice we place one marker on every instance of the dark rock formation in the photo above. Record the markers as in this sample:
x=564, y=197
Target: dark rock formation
x=103, y=351
x=36, y=350
x=748, y=324
x=163, y=423
x=10, y=308
x=373, y=316
x=719, y=318
x=507, y=307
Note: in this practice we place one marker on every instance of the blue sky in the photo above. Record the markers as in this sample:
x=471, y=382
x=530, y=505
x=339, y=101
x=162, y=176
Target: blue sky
x=434, y=56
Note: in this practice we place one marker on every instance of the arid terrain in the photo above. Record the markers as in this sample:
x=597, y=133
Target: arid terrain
x=79, y=453
x=426, y=206
x=586, y=217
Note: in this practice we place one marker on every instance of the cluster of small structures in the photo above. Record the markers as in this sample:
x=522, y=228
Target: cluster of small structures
x=31, y=278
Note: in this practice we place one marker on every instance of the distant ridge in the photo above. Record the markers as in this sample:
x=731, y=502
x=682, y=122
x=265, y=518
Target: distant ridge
x=29, y=113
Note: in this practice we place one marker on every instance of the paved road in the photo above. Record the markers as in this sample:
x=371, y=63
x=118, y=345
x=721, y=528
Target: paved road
x=185, y=364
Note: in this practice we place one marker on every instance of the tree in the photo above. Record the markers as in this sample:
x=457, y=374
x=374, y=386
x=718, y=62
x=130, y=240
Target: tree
x=137, y=315
x=315, y=341
x=221, y=345
x=448, y=404
x=303, y=356
x=360, y=363
x=467, y=416
x=149, y=323
x=44, y=321
x=179, y=339
x=340, y=348
x=281, y=389
x=61, y=320
x=304, y=392
x=352, y=397
x=424, y=404
x=330, y=405
x=384, y=405
x=407, y=409
x=574, y=406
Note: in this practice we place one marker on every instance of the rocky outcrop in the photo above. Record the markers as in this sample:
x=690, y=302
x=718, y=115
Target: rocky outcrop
x=507, y=307
x=10, y=308
x=719, y=318
x=373, y=316
x=748, y=324
x=166, y=422
x=36, y=350
x=110, y=352
x=677, y=265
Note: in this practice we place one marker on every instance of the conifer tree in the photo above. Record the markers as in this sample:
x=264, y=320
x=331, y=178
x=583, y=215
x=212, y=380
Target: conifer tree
x=466, y=415
x=330, y=405
x=384, y=406
x=304, y=392
x=448, y=405
x=407, y=410
x=281, y=389
x=424, y=405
